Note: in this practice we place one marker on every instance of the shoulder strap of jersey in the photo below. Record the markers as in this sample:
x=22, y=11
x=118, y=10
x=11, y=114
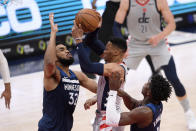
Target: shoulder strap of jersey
x=154, y=107
x=125, y=69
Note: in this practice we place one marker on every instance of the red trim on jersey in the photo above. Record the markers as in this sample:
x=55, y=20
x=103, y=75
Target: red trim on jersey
x=103, y=126
x=167, y=44
x=141, y=3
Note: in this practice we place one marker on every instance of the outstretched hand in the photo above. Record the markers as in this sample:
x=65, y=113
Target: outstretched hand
x=54, y=27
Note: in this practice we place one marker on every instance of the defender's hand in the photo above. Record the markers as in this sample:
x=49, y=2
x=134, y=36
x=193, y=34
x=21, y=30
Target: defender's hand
x=54, y=27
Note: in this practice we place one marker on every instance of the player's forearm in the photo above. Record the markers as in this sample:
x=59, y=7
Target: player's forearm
x=86, y=64
x=117, y=29
x=129, y=102
x=168, y=29
x=50, y=55
x=4, y=69
x=112, y=115
x=92, y=86
x=92, y=41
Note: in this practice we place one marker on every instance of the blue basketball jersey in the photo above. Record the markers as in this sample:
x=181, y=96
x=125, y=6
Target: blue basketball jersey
x=155, y=125
x=59, y=104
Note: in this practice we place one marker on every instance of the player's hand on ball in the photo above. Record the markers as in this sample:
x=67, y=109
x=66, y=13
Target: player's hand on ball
x=90, y=102
x=54, y=27
x=77, y=32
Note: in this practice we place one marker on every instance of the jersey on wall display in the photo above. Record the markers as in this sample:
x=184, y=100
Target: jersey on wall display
x=25, y=29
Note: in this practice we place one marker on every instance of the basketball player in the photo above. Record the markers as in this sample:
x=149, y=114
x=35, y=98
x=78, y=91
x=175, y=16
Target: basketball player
x=113, y=55
x=61, y=86
x=5, y=74
x=148, y=38
x=105, y=32
x=144, y=115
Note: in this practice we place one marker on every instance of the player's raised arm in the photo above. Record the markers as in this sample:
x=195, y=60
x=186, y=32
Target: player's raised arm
x=92, y=41
x=50, y=54
x=86, y=64
x=120, y=17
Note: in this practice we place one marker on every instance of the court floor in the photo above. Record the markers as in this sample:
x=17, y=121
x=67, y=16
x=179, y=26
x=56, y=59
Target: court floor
x=26, y=103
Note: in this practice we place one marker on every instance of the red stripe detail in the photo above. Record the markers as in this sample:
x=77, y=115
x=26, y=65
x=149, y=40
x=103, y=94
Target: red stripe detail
x=141, y=3
x=104, y=118
x=103, y=126
x=167, y=44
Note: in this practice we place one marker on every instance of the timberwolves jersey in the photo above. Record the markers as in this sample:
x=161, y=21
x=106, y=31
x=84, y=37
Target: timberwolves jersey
x=143, y=20
x=155, y=125
x=59, y=104
x=103, y=90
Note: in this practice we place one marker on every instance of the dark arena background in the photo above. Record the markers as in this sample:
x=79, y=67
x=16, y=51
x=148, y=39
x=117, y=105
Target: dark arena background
x=24, y=35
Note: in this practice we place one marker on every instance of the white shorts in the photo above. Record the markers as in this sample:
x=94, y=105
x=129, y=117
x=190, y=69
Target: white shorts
x=100, y=124
x=160, y=54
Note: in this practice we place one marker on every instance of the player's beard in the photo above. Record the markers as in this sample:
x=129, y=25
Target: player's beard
x=66, y=62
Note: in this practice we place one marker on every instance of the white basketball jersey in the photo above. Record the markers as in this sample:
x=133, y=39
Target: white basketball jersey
x=103, y=90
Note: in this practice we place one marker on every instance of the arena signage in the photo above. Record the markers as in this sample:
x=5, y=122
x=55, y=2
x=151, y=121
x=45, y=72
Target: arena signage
x=10, y=11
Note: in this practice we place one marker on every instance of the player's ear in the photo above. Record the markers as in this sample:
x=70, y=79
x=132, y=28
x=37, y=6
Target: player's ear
x=116, y=51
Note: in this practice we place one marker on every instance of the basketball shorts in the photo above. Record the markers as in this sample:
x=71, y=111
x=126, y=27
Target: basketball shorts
x=160, y=54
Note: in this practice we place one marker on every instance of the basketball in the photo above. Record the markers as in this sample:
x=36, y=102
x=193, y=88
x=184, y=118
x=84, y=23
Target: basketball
x=89, y=19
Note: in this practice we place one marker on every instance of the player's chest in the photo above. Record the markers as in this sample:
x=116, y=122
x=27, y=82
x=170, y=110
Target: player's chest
x=70, y=90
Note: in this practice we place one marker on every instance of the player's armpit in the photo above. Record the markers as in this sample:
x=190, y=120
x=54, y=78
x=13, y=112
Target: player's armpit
x=51, y=82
